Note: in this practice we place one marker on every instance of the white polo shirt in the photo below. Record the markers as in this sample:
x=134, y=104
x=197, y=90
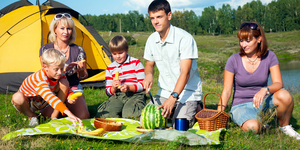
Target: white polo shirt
x=178, y=45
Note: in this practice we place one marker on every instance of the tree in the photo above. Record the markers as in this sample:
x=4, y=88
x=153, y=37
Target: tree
x=225, y=19
x=208, y=20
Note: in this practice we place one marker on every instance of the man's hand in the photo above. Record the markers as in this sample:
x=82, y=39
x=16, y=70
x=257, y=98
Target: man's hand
x=148, y=81
x=167, y=106
x=149, y=71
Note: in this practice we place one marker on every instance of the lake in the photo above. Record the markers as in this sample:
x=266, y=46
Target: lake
x=290, y=71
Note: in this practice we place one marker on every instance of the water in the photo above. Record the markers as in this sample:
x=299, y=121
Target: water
x=290, y=72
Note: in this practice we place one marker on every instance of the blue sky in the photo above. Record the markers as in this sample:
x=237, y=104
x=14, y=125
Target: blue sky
x=100, y=7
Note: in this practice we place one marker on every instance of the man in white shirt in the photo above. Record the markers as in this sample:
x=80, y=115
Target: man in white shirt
x=174, y=52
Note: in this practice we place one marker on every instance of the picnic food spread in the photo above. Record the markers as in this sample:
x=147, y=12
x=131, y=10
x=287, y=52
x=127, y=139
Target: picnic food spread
x=107, y=124
x=151, y=117
x=97, y=132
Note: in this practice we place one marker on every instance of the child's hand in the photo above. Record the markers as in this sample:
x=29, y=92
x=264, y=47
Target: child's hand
x=124, y=88
x=72, y=101
x=73, y=118
x=116, y=83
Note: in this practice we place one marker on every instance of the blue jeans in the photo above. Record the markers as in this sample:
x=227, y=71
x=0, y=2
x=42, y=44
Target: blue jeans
x=77, y=88
x=242, y=112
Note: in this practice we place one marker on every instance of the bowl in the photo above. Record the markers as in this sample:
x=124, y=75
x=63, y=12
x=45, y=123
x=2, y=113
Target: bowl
x=107, y=124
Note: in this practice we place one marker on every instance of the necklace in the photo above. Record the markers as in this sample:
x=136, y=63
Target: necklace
x=63, y=53
x=252, y=62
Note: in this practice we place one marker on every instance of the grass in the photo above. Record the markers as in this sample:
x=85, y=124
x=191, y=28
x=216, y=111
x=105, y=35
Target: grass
x=213, y=54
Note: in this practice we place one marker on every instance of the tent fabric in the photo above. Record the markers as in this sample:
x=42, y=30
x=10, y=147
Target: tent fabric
x=55, y=4
x=14, y=6
x=24, y=30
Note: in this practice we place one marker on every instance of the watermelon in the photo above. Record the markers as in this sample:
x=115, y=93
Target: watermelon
x=151, y=117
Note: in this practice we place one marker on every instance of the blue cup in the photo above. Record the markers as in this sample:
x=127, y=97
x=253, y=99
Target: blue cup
x=181, y=124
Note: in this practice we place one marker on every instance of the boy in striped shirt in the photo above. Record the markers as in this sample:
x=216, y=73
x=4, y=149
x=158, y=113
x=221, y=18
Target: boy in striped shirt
x=126, y=96
x=45, y=87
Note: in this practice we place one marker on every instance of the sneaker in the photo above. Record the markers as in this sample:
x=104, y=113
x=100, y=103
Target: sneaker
x=289, y=130
x=33, y=122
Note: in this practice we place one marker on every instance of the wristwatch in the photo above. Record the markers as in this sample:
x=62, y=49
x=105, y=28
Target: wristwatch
x=175, y=95
x=268, y=92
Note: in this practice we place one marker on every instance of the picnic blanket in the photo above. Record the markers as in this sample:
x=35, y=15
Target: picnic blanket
x=128, y=132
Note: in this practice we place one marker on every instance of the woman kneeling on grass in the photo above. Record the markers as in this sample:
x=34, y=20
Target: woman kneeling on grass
x=248, y=72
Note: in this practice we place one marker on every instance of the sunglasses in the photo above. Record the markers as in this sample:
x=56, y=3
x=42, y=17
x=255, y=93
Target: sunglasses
x=59, y=16
x=251, y=25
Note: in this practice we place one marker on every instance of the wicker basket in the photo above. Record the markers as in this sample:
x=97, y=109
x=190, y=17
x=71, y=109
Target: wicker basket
x=211, y=120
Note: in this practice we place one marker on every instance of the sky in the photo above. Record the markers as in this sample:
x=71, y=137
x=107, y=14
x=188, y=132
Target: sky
x=101, y=7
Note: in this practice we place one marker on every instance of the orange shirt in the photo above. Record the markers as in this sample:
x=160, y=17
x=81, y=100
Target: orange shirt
x=38, y=84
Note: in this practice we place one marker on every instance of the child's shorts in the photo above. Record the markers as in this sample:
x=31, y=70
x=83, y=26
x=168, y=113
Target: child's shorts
x=242, y=112
x=35, y=103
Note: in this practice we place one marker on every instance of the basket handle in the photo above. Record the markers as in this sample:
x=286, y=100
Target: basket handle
x=208, y=94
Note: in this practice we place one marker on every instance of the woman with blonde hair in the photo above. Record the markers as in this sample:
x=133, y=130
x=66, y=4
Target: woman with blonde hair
x=62, y=35
x=248, y=72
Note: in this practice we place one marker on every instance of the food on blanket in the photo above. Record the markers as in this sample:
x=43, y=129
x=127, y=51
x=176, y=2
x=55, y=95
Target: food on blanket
x=107, y=124
x=97, y=132
x=75, y=95
x=142, y=130
x=151, y=117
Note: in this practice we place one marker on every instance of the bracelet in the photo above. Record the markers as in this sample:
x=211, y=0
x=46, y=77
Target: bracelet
x=85, y=75
x=222, y=105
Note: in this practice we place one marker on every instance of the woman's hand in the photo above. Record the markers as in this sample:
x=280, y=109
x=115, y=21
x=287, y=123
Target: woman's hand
x=80, y=66
x=259, y=97
x=70, y=66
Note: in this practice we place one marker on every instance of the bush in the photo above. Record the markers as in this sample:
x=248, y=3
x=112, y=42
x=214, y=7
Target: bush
x=130, y=40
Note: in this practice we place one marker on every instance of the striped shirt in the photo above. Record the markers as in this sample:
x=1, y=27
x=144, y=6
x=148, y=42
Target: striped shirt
x=131, y=72
x=38, y=84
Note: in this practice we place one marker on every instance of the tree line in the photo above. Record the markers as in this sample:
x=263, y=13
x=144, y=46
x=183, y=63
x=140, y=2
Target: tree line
x=280, y=15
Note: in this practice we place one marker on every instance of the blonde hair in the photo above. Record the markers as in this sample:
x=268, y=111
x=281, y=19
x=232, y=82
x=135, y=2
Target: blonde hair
x=118, y=43
x=53, y=56
x=65, y=21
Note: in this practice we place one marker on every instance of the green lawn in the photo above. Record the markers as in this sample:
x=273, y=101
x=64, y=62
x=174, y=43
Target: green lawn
x=213, y=53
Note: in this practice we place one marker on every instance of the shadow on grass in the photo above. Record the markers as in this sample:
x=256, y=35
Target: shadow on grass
x=293, y=121
x=93, y=109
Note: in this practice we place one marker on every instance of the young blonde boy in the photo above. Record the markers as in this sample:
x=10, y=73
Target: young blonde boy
x=126, y=96
x=45, y=87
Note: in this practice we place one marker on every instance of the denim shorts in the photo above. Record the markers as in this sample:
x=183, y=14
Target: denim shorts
x=77, y=88
x=242, y=112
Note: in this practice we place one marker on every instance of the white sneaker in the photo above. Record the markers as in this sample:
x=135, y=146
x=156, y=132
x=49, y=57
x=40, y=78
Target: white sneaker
x=289, y=130
x=33, y=122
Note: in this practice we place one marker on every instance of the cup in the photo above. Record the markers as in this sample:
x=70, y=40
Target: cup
x=181, y=124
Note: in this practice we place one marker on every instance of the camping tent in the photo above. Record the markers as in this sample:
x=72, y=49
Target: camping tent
x=25, y=28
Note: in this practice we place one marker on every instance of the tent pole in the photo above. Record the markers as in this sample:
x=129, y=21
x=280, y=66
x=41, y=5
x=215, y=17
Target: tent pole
x=38, y=3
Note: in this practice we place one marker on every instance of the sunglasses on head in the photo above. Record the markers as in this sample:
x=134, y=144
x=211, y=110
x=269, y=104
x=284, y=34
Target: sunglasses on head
x=60, y=15
x=251, y=25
